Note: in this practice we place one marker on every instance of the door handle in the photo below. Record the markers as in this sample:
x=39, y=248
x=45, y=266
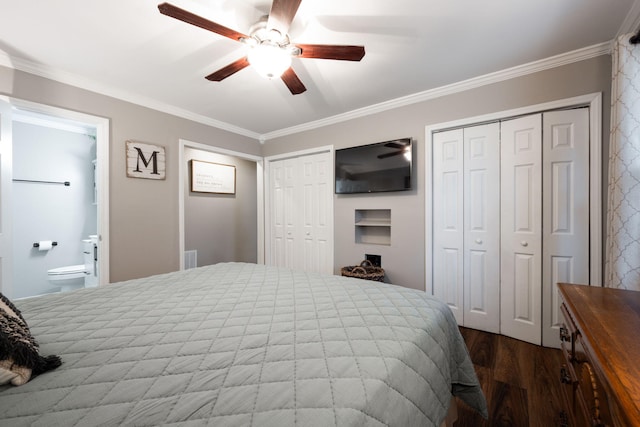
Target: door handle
x=524, y=243
x=479, y=241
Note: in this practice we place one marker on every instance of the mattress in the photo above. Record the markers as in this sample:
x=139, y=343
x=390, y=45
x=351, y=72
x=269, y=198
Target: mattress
x=237, y=344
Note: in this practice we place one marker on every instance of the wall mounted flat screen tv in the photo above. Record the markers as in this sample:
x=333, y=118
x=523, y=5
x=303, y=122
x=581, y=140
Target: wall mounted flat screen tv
x=373, y=168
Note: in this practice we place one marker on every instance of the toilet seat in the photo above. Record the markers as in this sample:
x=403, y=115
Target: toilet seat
x=67, y=272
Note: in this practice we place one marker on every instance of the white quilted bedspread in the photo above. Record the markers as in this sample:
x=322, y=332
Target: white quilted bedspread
x=243, y=345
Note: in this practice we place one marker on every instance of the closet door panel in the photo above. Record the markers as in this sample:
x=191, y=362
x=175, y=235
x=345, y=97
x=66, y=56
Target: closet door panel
x=278, y=240
x=524, y=288
x=566, y=214
x=309, y=203
x=290, y=213
x=316, y=213
x=482, y=227
x=521, y=228
x=448, y=220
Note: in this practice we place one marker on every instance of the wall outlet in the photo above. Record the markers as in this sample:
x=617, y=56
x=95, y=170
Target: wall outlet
x=376, y=260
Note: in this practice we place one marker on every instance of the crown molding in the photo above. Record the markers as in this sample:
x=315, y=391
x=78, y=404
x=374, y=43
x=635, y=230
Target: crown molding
x=498, y=76
x=93, y=86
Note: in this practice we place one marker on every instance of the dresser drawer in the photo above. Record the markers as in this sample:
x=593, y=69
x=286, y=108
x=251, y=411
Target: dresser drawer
x=574, y=414
x=589, y=391
x=584, y=394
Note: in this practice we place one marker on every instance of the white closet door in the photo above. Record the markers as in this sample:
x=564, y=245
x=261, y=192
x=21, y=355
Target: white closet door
x=482, y=227
x=316, y=213
x=565, y=191
x=301, y=209
x=448, y=220
x=276, y=206
x=521, y=228
x=283, y=212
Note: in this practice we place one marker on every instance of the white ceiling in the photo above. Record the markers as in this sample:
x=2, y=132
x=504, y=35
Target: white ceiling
x=127, y=49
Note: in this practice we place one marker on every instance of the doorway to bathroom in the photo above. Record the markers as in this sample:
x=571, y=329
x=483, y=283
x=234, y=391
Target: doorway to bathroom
x=57, y=199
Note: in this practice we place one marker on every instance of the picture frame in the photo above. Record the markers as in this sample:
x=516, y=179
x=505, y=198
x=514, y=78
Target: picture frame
x=208, y=177
x=145, y=160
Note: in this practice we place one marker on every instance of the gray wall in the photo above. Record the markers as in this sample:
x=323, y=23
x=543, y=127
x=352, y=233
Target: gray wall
x=50, y=211
x=143, y=212
x=222, y=227
x=404, y=259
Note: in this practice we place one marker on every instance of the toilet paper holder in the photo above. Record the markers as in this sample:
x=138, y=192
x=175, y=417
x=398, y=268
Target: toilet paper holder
x=37, y=244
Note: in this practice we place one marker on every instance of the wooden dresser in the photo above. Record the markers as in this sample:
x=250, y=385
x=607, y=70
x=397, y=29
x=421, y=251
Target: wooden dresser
x=600, y=339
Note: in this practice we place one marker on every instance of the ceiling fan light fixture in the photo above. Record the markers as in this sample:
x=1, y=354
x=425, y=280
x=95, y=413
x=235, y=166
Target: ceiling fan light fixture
x=269, y=59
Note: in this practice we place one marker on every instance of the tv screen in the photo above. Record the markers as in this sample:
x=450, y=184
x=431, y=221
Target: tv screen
x=383, y=166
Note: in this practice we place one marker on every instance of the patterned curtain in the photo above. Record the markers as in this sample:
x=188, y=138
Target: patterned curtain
x=622, y=256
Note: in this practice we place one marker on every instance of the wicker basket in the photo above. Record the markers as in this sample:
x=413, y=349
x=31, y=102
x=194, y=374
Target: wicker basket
x=365, y=270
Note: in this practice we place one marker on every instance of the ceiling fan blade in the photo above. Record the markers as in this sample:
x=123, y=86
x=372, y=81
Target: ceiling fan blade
x=281, y=15
x=190, y=18
x=229, y=70
x=328, y=51
x=290, y=78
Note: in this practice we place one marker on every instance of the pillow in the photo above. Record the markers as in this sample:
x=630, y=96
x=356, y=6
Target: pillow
x=19, y=352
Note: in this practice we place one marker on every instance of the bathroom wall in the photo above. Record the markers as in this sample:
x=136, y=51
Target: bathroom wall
x=50, y=211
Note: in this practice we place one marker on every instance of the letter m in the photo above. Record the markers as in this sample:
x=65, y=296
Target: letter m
x=153, y=158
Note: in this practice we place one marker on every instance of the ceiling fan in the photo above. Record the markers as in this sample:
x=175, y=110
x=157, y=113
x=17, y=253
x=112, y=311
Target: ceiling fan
x=270, y=47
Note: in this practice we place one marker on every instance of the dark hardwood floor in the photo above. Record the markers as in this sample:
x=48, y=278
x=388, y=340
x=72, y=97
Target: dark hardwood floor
x=521, y=382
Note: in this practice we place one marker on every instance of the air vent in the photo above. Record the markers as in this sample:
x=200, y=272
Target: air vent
x=190, y=259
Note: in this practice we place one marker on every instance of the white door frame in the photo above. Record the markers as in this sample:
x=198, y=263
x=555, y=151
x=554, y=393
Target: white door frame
x=6, y=211
x=182, y=169
x=267, y=179
x=594, y=102
x=102, y=165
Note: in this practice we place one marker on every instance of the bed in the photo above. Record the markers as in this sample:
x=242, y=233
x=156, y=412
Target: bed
x=238, y=344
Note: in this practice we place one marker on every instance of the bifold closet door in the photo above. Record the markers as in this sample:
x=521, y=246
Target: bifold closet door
x=466, y=224
x=482, y=227
x=565, y=191
x=521, y=228
x=301, y=213
x=511, y=220
x=448, y=220
x=545, y=219
x=283, y=178
x=316, y=213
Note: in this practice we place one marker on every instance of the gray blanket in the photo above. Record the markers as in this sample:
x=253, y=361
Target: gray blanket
x=243, y=345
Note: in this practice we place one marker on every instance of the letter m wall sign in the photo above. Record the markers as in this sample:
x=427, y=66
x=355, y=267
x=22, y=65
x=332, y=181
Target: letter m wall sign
x=145, y=161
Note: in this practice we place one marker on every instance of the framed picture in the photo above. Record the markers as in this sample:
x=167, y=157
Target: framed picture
x=145, y=160
x=209, y=177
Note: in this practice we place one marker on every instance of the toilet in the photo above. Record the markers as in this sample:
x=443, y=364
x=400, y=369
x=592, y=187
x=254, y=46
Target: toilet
x=78, y=276
x=69, y=277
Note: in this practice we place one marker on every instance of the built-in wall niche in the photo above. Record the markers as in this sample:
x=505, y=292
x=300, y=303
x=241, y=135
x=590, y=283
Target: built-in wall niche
x=373, y=226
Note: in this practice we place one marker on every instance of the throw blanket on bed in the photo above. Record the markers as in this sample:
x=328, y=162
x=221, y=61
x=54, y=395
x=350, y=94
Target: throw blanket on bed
x=19, y=356
x=244, y=345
